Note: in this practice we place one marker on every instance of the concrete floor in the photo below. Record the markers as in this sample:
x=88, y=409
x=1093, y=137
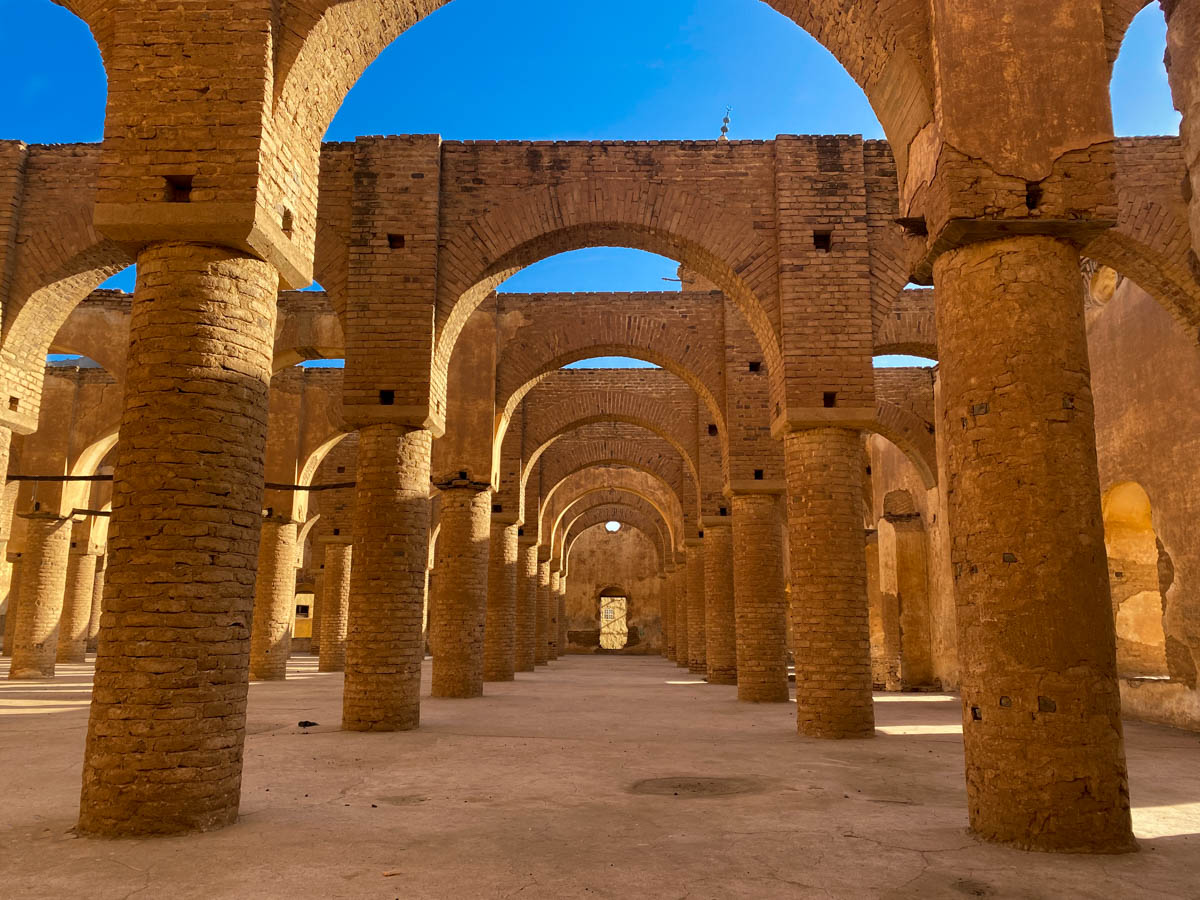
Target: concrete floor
x=528, y=792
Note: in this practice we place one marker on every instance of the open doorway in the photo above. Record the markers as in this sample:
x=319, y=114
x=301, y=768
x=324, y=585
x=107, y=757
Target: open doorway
x=614, y=619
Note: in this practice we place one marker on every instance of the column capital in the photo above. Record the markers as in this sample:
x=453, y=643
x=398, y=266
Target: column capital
x=717, y=522
x=744, y=486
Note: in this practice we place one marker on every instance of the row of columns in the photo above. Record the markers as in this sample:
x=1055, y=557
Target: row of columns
x=1044, y=760
x=62, y=583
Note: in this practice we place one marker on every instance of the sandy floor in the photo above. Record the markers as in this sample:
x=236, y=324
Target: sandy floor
x=530, y=792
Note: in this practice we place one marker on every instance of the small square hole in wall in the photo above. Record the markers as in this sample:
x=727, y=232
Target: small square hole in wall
x=758, y=474
x=287, y=223
x=387, y=398
x=337, y=531
x=396, y=241
x=497, y=507
x=13, y=403
x=723, y=511
x=520, y=531
x=712, y=430
x=341, y=470
x=823, y=240
x=177, y=188
x=829, y=399
x=755, y=366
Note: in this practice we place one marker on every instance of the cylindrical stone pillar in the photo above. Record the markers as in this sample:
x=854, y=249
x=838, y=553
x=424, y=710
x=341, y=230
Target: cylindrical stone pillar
x=527, y=588
x=14, y=602
x=669, y=613
x=97, y=603
x=384, y=649
x=760, y=600
x=77, y=607
x=681, y=614
x=462, y=581
x=830, y=618
x=314, y=644
x=274, y=600
x=335, y=594
x=552, y=627
x=664, y=612
x=391, y=538
x=564, y=640
x=720, y=632
x=500, y=630
x=542, y=634
x=168, y=716
x=43, y=585
x=1045, y=759
x=697, y=649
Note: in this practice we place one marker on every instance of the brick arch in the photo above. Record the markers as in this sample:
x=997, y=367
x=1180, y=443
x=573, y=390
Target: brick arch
x=647, y=455
x=555, y=333
x=580, y=408
x=86, y=462
x=1118, y=16
x=324, y=46
x=96, y=14
x=606, y=497
x=600, y=477
x=1152, y=243
x=625, y=513
x=909, y=327
x=308, y=471
x=61, y=264
x=911, y=434
x=718, y=243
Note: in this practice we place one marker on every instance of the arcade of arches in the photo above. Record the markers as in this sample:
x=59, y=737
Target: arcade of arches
x=431, y=522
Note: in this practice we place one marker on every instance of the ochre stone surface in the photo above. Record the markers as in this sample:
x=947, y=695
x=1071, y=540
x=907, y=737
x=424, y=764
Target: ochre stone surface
x=274, y=600
x=500, y=628
x=335, y=596
x=462, y=577
x=829, y=584
x=720, y=629
x=1041, y=711
x=542, y=636
x=384, y=645
x=760, y=599
x=97, y=603
x=697, y=642
x=43, y=581
x=77, y=608
x=527, y=607
x=164, y=744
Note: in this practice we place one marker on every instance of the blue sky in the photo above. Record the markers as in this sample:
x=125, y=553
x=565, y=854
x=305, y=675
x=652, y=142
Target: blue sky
x=549, y=70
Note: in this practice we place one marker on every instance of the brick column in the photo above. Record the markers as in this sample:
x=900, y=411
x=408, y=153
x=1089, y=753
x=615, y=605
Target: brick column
x=93, y=638
x=720, y=632
x=564, y=640
x=665, y=611
x=697, y=649
x=335, y=595
x=384, y=649
x=542, y=634
x=760, y=601
x=552, y=628
x=314, y=644
x=914, y=627
x=1045, y=760
x=527, y=588
x=830, y=627
x=14, y=602
x=462, y=580
x=500, y=630
x=274, y=600
x=168, y=715
x=681, y=613
x=670, y=613
x=43, y=585
x=884, y=622
x=77, y=605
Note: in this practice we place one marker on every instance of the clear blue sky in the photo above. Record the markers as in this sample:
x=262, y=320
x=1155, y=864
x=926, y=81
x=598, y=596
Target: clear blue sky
x=550, y=70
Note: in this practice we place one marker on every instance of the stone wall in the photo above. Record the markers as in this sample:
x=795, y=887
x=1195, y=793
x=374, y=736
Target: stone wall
x=600, y=560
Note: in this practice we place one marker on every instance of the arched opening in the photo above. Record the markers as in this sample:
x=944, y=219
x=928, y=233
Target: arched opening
x=1141, y=96
x=1138, y=565
x=614, y=618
